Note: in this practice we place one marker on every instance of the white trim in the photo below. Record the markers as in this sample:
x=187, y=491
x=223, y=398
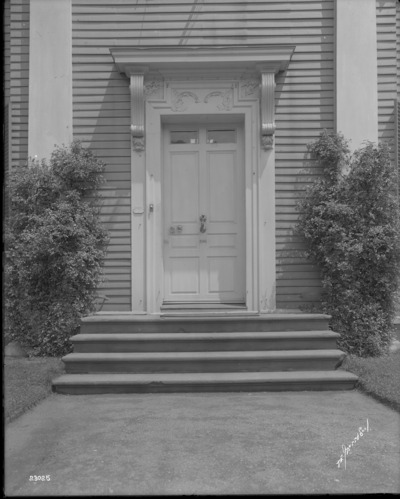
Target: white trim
x=356, y=71
x=50, y=76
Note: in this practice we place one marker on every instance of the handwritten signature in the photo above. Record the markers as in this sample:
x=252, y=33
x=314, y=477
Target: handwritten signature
x=347, y=449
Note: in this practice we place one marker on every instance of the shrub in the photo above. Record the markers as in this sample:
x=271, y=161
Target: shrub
x=349, y=218
x=55, y=245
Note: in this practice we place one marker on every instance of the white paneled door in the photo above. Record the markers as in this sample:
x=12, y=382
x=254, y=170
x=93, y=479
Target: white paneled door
x=204, y=214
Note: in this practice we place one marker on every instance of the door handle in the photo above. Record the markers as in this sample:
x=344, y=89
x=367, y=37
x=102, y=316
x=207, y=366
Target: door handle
x=203, y=220
x=178, y=229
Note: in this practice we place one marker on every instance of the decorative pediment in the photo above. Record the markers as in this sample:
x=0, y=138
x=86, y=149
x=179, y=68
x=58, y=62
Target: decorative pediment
x=262, y=60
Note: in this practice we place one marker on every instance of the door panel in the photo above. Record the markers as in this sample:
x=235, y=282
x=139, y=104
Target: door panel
x=222, y=186
x=221, y=274
x=203, y=208
x=185, y=272
x=184, y=178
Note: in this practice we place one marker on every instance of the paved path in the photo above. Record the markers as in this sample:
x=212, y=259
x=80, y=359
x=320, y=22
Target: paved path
x=230, y=443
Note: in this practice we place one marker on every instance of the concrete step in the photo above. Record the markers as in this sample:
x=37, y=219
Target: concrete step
x=178, y=362
x=215, y=341
x=128, y=323
x=76, y=384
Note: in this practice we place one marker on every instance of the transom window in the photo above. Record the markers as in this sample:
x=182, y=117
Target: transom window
x=213, y=136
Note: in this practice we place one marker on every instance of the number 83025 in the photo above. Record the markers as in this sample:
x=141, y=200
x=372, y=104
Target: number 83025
x=39, y=478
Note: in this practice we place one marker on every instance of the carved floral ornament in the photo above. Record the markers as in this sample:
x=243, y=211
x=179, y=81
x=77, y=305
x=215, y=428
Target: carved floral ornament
x=153, y=87
x=249, y=85
x=260, y=62
x=181, y=99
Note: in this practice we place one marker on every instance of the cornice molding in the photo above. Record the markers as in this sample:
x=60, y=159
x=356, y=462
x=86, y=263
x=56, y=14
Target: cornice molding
x=246, y=57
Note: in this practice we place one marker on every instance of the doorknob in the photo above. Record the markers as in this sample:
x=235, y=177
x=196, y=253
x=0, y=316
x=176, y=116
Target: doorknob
x=178, y=229
x=203, y=220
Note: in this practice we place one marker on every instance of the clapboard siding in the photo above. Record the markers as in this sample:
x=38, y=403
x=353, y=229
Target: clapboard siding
x=398, y=47
x=18, y=79
x=6, y=104
x=387, y=68
x=6, y=50
x=397, y=102
x=304, y=105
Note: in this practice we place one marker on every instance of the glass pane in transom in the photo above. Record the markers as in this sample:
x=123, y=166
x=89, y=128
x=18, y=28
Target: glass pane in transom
x=221, y=136
x=184, y=137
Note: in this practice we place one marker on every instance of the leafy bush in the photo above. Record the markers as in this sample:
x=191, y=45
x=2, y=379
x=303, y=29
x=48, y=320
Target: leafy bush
x=350, y=220
x=55, y=245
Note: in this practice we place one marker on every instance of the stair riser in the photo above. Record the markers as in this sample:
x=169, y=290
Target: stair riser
x=193, y=366
x=203, y=346
x=203, y=326
x=202, y=388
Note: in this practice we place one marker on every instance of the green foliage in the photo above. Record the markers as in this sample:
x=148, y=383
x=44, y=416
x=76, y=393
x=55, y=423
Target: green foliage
x=55, y=245
x=350, y=221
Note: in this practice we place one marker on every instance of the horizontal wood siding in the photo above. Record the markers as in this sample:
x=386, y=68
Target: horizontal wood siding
x=6, y=102
x=6, y=50
x=397, y=104
x=101, y=120
x=19, y=80
x=398, y=47
x=304, y=105
x=387, y=69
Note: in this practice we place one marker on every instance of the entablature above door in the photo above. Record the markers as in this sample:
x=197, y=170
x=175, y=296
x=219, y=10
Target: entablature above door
x=198, y=61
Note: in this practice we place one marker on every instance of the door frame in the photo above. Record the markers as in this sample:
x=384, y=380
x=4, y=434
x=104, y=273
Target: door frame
x=215, y=122
x=260, y=273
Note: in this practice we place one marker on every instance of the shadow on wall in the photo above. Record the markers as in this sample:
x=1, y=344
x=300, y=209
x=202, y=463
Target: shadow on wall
x=102, y=123
x=298, y=278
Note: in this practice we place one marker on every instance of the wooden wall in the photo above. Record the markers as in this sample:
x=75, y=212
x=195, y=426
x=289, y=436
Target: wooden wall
x=304, y=101
x=17, y=82
x=398, y=47
x=387, y=67
x=6, y=49
x=397, y=104
x=101, y=120
x=304, y=104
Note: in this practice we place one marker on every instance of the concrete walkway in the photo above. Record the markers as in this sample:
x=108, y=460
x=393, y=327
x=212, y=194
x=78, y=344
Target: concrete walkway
x=229, y=443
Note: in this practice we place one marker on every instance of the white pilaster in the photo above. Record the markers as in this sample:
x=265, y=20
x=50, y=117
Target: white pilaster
x=356, y=71
x=50, y=76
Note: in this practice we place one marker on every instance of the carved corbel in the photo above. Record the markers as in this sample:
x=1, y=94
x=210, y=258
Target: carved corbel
x=267, y=109
x=137, y=111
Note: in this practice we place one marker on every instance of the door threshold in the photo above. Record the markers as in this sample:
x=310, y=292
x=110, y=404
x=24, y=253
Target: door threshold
x=209, y=313
x=204, y=309
x=203, y=306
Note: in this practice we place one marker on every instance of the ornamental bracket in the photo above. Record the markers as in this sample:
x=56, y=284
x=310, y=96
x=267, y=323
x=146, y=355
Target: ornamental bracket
x=137, y=109
x=267, y=109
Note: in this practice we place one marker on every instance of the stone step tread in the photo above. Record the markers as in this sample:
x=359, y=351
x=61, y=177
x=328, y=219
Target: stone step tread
x=209, y=377
x=193, y=336
x=116, y=318
x=175, y=356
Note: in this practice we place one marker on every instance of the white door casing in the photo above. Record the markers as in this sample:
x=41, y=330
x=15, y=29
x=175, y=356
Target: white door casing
x=204, y=213
x=166, y=106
